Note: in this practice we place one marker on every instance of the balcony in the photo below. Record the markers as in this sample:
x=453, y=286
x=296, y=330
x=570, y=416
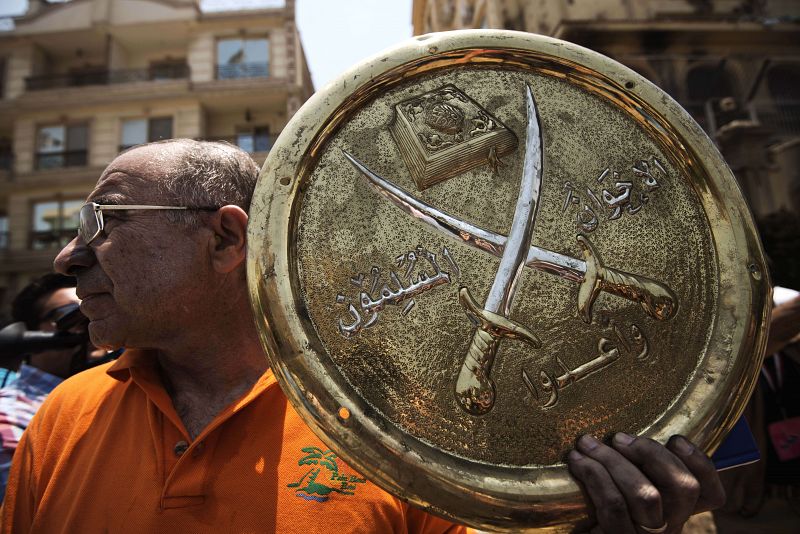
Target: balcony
x=15, y=261
x=51, y=239
x=104, y=77
x=781, y=117
x=234, y=71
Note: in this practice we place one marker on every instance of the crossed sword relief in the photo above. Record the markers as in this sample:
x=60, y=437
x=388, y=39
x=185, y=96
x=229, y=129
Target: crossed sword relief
x=474, y=387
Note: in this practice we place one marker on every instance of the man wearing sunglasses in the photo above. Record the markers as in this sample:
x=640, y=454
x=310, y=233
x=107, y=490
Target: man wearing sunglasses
x=40, y=305
x=188, y=430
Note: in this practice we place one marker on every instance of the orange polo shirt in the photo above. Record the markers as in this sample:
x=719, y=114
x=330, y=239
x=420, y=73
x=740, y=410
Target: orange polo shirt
x=108, y=453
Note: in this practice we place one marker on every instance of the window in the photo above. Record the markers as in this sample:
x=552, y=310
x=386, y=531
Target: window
x=242, y=58
x=55, y=223
x=6, y=154
x=3, y=232
x=62, y=146
x=706, y=85
x=705, y=82
x=782, y=81
x=138, y=131
x=255, y=140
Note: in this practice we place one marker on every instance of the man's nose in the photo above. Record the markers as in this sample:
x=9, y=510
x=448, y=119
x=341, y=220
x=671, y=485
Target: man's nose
x=73, y=257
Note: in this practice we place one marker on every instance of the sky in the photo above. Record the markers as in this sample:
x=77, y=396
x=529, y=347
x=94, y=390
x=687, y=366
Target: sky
x=336, y=34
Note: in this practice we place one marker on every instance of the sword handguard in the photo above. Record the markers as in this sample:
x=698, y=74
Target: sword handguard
x=656, y=299
x=495, y=324
x=475, y=391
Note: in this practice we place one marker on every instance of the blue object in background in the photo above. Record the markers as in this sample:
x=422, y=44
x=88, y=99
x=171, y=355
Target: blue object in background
x=739, y=448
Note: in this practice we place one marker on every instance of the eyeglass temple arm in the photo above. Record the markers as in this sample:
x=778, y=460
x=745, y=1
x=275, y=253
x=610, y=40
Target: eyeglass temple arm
x=137, y=207
x=140, y=207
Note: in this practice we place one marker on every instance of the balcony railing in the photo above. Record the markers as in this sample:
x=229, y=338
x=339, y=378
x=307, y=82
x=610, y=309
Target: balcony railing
x=242, y=70
x=781, y=117
x=154, y=73
x=51, y=238
x=251, y=144
x=57, y=160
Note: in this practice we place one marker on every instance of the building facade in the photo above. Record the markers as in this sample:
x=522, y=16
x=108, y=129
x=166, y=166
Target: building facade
x=734, y=65
x=82, y=80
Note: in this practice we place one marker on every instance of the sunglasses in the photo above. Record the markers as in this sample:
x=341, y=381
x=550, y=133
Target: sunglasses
x=57, y=314
x=91, y=216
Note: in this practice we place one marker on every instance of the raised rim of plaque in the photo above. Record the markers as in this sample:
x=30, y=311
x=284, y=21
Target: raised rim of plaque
x=441, y=129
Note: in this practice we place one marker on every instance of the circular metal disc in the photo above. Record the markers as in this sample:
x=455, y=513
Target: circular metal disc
x=454, y=280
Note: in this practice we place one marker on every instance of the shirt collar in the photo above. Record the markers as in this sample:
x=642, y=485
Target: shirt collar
x=132, y=358
x=141, y=366
x=121, y=368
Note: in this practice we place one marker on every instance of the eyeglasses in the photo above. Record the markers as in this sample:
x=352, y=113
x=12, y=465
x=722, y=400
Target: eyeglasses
x=91, y=216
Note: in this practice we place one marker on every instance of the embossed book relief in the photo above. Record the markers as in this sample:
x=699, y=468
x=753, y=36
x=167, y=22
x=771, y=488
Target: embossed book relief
x=444, y=133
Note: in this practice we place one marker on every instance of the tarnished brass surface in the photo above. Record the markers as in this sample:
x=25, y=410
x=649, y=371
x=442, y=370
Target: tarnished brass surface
x=376, y=237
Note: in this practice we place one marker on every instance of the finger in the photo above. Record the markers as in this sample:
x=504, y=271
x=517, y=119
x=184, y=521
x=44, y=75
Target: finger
x=677, y=485
x=609, y=504
x=641, y=496
x=585, y=525
x=712, y=493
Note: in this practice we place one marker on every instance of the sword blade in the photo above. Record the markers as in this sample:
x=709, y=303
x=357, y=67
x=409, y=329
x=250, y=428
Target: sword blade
x=538, y=258
x=444, y=223
x=519, y=238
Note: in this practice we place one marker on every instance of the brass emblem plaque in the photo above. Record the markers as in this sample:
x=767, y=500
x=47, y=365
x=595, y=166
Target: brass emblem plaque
x=470, y=250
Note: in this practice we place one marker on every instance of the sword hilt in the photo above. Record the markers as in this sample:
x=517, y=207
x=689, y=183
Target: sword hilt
x=475, y=389
x=656, y=299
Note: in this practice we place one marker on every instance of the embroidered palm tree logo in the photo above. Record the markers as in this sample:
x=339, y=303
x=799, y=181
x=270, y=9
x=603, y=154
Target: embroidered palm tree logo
x=312, y=489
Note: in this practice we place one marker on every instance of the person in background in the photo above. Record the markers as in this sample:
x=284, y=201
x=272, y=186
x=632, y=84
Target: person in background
x=39, y=305
x=764, y=497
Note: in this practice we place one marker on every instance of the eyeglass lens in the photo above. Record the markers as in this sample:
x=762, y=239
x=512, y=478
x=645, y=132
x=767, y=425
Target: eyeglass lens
x=56, y=314
x=89, y=225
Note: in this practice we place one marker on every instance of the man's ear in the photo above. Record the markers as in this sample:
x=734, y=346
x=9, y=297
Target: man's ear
x=228, y=249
